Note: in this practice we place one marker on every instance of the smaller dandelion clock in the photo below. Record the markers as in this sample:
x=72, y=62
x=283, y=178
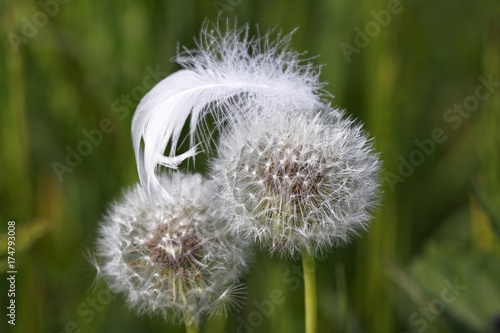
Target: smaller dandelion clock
x=176, y=260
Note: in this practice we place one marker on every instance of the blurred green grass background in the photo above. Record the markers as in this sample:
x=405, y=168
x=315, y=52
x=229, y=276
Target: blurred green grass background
x=438, y=223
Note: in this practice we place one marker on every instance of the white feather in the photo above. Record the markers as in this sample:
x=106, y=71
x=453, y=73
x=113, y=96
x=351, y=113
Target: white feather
x=226, y=76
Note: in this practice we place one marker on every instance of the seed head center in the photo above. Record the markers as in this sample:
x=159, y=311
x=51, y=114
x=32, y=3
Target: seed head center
x=178, y=250
x=292, y=178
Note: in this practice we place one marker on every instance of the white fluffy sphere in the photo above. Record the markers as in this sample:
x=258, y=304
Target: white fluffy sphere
x=295, y=180
x=178, y=260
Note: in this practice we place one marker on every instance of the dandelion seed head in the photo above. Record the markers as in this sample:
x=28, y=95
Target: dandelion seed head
x=297, y=179
x=175, y=260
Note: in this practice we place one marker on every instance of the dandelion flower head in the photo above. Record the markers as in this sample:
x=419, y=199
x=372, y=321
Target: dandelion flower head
x=175, y=260
x=297, y=179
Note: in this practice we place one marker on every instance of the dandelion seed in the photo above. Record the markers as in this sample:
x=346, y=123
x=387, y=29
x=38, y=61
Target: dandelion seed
x=228, y=301
x=91, y=259
x=175, y=260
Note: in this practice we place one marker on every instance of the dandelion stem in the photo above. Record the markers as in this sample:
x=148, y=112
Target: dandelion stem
x=308, y=266
x=191, y=327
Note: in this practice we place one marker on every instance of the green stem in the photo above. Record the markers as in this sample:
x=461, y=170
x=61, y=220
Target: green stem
x=191, y=327
x=309, y=268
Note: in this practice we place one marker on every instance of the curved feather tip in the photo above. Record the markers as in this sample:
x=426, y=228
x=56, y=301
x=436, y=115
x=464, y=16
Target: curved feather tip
x=227, y=75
